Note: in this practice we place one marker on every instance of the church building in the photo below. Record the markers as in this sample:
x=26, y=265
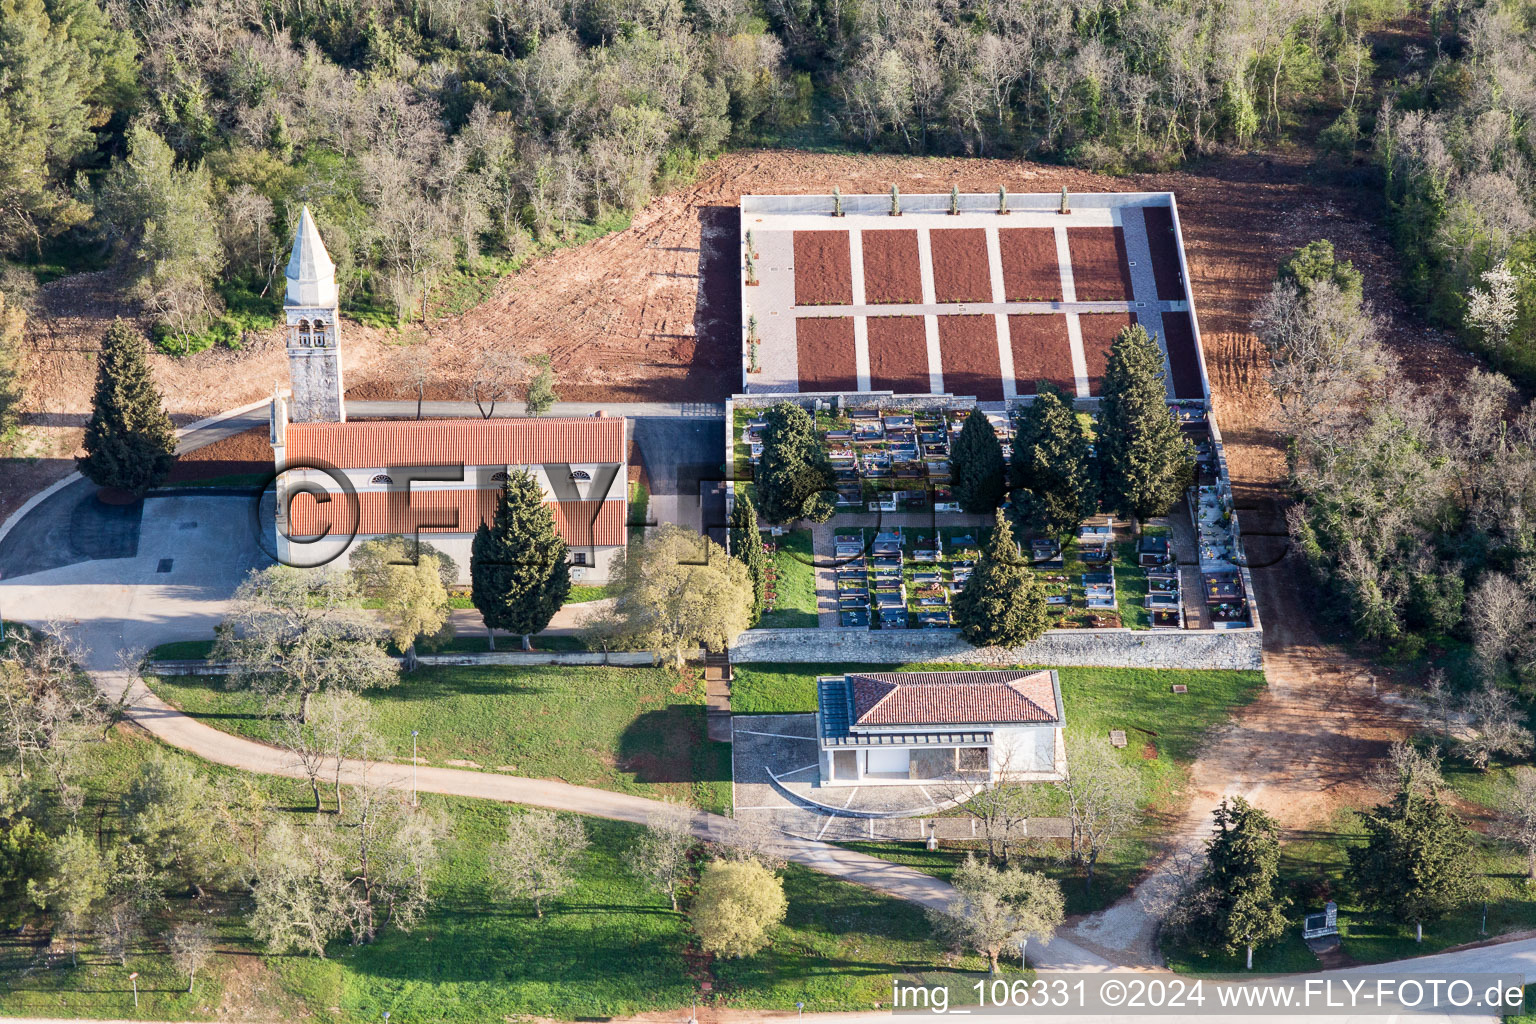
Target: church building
x=342, y=483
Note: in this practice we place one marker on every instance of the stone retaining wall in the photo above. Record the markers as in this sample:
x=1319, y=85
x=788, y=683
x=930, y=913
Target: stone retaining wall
x=625, y=659
x=1107, y=648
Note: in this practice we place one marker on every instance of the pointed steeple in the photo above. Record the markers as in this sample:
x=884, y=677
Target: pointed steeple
x=311, y=274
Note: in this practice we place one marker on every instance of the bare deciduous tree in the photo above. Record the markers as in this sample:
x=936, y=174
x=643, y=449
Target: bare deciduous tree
x=660, y=857
x=1102, y=794
x=496, y=376
x=1493, y=727
x=539, y=859
x=191, y=946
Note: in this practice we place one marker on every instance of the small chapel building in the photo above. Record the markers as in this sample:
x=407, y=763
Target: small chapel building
x=342, y=483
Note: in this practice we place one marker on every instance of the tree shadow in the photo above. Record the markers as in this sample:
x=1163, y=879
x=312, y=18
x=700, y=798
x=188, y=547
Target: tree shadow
x=660, y=746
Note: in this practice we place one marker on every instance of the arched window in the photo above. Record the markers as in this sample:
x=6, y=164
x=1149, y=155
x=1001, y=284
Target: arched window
x=499, y=476
x=319, y=333
x=381, y=478
x=580, y=474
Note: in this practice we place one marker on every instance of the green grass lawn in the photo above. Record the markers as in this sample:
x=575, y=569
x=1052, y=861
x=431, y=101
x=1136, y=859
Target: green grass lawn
x=1166, y=730
x=582, y=593
x=795, y=585
x=634, y=730
x=608, y=947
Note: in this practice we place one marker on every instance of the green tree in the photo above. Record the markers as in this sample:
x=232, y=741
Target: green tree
x=738, y=902
x=164, y=214
x=1055, y=485
x=998, y=909
x=1239, y=905
x=976, y=466
x=129, y=441
x=1416, y=864
x=167, y=810
x=59, y=65
x=1145, y=461
x=1003, y=603
x=11, y=322
x=794, y=470
x=517, y=569
x=541, y=396
x=1316, y=262
x=747, y=548
x=415, y=606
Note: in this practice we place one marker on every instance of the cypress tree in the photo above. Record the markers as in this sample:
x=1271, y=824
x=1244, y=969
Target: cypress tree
x=517, y=570
x=976, y=466
x=1055, y=485
x=1241, y=907
x=747, y=547
x=1145, y=460
x=1003, y=603
x=129, y=441
x=794, y=470
x=1416, y=864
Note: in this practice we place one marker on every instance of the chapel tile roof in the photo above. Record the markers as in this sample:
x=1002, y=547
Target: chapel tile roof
x=952, y=698
x=381, y=444
x=581, y=524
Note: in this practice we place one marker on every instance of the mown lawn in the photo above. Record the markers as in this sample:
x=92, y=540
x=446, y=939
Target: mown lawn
x=634, y=730
x=1166, y=730
x=608, y=947
x=795, y=583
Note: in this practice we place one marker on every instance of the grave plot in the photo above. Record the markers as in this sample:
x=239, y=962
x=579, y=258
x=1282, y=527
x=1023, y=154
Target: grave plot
x=1041, y=351
x=898, y=354
x=1101, y=271
x=891, y=269
x=1031, y=272
x=1099, y=330
x=961, y=272
x=968, y=355
x=824, y=346
x=1165, y=253
x=823, y=269
x=1183, y=363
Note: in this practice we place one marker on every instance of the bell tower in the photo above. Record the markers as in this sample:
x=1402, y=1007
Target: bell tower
x=311, y=310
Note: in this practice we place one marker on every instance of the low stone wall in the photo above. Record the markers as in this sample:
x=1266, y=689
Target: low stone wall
x=1107, y=648
x=624, y=659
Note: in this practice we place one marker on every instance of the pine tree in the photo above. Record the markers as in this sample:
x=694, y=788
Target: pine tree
x=1055, y=485
x=1416, y=864
x=129, y=441
x=1003, y=603
x=517, y=569
x=1145, y=461
x=747, y=547
x=976, y=466
x=794, y=471
x=1242, y=908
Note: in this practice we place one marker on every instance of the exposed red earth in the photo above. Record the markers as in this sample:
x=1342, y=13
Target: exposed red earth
x=1031, y=272
x=892, y=272
x=968, y=354
x=1101, y=271
x=1041, y=351
x=824, y=346
x=898, y=354
x=823, y=269
x=961, y=272
x=1099, y=330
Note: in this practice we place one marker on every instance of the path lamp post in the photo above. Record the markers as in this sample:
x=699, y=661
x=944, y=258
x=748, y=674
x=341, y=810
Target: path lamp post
x=134, y=977
x=1023, y=957
x=799, y=1010
x=414, y=734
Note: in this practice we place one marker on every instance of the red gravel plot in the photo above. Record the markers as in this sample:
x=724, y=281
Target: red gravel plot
x=1165, y=253
x=824, y=345
x=891, y=269
x=1101, y=272
x=1031, y=272
x=898, y=354
x=823, y=269
x=961, y=272
x=1099, y=330
x=1183, y=362
x=968, y=352
x=1041, y=351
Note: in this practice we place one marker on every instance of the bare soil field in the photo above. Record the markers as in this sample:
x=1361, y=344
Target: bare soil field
x=249, y=451
x=968, y=354
x=1099, y=330
x=823, y=269
x=960, y=270
x=898, y=354
x=1183, y=361
x=892, y=272
x=1101, y=271
x=1031, y=272
x=824, y=345
x=1165, y=252
x=1041, y=351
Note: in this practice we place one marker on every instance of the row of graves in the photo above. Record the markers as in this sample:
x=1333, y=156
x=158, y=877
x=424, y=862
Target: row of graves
x=889, y=460
x=1211, y=508
x=881, y=586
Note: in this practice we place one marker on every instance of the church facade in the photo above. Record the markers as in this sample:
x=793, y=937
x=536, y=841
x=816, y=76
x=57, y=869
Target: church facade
x=343, y=483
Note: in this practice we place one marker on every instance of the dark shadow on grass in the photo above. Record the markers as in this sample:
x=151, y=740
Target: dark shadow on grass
x=658, y=746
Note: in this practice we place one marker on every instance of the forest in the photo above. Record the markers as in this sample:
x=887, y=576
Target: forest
x=445, y=138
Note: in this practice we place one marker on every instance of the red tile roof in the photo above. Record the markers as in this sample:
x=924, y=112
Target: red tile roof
x=461, y=511
x=952, y=698
x=499, y=442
